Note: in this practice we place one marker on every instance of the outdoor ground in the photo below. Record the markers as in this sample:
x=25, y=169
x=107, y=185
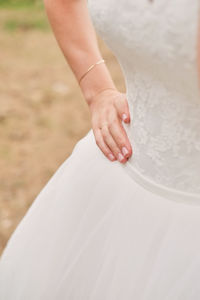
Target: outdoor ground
x=42, y=110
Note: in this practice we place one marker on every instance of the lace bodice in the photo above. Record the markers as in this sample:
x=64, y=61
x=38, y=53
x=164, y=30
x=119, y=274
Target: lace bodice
x=156, y=45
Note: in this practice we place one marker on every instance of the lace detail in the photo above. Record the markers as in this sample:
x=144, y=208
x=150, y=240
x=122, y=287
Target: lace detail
x=156, y=46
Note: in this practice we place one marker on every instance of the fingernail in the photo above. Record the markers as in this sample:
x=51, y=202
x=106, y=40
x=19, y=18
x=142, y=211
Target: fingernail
x=111, y=157
x=124, y=117
x=120, y=157
x=124, y=151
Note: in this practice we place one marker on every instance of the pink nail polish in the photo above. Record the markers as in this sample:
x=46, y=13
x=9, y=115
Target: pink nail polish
x=124, y=117
x=111, y=157
x=120, y=157
x=124, y=151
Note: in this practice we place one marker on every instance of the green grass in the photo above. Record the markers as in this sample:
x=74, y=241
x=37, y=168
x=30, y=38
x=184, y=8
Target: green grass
x=25, y=25
x=23, y=15
x=21, y=4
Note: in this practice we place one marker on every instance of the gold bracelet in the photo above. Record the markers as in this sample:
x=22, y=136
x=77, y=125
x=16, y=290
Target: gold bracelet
x=90, y=68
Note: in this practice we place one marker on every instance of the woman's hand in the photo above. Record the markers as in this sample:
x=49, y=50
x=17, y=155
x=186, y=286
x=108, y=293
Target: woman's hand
x=108, y=109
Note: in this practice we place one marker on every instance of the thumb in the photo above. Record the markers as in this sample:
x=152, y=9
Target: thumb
x=123, y=108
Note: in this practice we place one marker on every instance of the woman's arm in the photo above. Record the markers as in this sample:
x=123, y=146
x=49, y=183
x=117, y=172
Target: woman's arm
x=76, y=36
x=77, y=39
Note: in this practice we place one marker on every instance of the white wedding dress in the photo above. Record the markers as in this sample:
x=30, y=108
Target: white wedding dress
x=101, y=230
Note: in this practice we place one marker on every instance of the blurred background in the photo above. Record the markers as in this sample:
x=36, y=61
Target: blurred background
x=42, y=110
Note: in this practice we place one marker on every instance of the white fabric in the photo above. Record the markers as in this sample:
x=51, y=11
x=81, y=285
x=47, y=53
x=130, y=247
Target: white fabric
x=156, y=46
x=105, y=231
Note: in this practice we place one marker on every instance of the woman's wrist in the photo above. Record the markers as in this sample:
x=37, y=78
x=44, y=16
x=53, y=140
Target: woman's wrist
x=97, y=80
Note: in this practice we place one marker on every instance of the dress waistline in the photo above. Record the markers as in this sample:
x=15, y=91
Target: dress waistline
x=164, y=191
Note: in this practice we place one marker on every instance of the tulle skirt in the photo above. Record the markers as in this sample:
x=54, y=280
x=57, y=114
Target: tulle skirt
x=96, y=233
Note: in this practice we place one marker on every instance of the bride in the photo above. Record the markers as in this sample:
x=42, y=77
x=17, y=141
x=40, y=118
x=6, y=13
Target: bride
x=120, y=218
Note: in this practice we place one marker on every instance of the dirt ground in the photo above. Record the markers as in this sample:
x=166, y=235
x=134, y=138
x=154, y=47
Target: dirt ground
x=42, y=114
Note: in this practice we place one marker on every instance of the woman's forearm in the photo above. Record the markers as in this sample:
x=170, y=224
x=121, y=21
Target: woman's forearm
x=74, y=31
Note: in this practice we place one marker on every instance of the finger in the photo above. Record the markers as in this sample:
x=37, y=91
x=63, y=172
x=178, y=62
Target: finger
x=120, y=137
x=101, y=144
x=109, y=141
x=122, y=107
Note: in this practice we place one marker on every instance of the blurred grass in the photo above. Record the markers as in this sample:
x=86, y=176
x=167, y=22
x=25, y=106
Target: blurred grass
x=42, y=110
x=21, y=4
x=23, y=15
x=14, y=24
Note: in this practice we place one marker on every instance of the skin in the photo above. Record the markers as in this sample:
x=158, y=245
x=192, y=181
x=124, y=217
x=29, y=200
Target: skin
x=76, y=36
